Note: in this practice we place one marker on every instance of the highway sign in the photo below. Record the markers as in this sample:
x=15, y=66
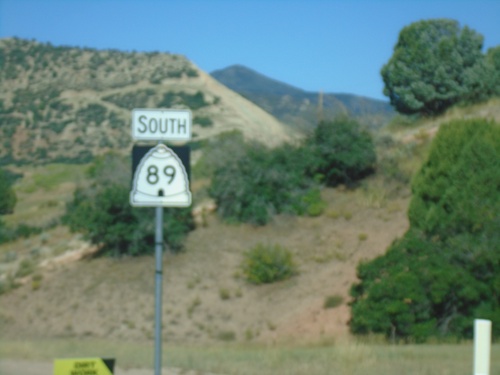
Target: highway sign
x=160, y=180
x=161, y=124
x=183, y=152
x=84, y=366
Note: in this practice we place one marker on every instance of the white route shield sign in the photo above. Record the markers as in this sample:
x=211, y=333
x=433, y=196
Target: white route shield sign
x=160, y=180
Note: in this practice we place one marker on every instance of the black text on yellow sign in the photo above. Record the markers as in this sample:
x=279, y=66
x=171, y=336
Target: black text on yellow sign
x=84, y=366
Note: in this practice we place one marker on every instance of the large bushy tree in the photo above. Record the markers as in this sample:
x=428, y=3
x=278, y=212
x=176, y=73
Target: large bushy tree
x=445, y=271
x=435, y=64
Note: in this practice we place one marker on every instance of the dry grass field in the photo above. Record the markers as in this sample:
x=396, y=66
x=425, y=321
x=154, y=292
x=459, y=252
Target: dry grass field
x=35, y=357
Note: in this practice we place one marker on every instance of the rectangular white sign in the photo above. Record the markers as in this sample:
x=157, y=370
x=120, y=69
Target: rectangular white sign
x=161, y=125
x=482, y=346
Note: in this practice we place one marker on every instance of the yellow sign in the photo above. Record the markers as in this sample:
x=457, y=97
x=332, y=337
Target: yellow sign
x=84, y=366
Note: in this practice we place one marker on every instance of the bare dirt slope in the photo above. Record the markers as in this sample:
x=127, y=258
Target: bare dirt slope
x=205, y=295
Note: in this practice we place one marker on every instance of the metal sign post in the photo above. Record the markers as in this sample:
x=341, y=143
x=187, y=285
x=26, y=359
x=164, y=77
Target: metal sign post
x=160, y=180
x=158, y=286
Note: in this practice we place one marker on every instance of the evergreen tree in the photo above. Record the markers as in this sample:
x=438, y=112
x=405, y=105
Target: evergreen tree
x=434, y=65
x=445, y=271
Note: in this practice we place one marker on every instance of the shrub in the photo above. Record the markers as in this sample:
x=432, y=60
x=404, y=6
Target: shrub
x=259, y=182
x=26, y=267
x=102, y=212
x=36, y=281
x=192, y=101
x=218, y=151
x=226, y=336
x=333, y=301
x=267, y=264
x=341, y=152
x=58, y=127
x=203, y=121
x=312, y=202
x=190, y=72
x=115, y=121
x=362, y=237
x=255, y=183
x=8, y=198
x=134, y=99
x=7, y=284
x=95, y=113
x=224, y=294
x=25, y=231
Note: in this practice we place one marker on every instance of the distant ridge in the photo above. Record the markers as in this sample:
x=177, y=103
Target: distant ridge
x=250, y=81
x=299, y=108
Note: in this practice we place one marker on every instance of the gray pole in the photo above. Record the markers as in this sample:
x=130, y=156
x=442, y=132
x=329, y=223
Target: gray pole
x=158, y=286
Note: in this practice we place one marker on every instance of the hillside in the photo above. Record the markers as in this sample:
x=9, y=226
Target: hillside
x=299, y=108
x=65, y=292
x=68, y=104
x=52, y=285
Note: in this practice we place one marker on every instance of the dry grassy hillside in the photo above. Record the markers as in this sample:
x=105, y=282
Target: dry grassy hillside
x=205, y=296
x=427, y=127
x=68, y=104
x=63, y=291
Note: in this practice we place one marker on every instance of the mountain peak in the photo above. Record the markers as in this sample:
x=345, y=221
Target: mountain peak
x=299, y=108
x=247, y=81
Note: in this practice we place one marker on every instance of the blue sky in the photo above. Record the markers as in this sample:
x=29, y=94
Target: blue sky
x=330, y=45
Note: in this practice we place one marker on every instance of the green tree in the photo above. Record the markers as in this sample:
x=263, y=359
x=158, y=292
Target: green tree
x=457, y=189
x=342, y=152
x=482, y=81
x=493, y=62
x=445, y=271
x=102, y=212
x=434, y=65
